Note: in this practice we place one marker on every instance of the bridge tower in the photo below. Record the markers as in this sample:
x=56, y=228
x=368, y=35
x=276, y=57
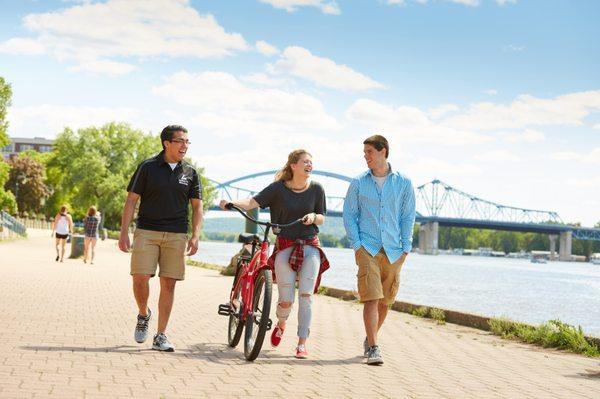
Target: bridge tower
x=428, y=238
x=564, y=248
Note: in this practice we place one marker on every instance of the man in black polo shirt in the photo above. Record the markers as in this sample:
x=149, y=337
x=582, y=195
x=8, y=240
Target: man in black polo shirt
x=164, y=183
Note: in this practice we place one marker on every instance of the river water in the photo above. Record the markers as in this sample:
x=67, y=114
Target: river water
x=513, y=288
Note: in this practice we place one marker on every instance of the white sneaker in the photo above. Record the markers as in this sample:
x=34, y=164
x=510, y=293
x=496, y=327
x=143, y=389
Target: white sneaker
x=161, y=343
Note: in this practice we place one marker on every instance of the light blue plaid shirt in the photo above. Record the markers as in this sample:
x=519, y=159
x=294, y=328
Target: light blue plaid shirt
x=377, y=218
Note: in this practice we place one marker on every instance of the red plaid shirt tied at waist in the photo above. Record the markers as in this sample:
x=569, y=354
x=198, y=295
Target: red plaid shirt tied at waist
x=297, y=255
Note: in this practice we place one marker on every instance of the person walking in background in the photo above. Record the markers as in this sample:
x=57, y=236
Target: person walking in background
x=61, y=228
x=298, y=255
x=165, y=184
x=90, y=227
x=379, y=215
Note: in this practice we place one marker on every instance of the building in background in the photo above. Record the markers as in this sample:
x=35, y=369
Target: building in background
x=18, y=144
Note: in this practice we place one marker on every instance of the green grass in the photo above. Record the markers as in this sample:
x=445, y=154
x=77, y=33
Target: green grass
x=421, y=311
x=431, y=313
x=551, y=334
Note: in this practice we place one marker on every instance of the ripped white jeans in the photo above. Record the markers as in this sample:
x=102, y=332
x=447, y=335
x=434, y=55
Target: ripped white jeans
x=286, y=285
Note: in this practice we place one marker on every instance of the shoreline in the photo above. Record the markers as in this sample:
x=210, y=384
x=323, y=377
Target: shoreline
x=449, y=316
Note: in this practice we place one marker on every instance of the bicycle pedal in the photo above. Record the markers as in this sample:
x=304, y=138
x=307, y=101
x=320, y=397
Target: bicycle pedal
x=224, y=309
x=269, y=324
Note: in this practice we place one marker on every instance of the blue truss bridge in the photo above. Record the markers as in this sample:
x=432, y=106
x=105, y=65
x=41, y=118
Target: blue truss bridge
x=439, y=204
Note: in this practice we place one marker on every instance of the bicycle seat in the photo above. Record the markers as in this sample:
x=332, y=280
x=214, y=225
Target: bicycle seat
x=248, y=238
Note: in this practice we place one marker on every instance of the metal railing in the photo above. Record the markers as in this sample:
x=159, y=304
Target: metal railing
x=9, y=225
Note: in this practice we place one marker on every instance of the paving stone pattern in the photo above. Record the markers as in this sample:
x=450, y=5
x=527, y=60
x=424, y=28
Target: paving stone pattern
x=68, y=333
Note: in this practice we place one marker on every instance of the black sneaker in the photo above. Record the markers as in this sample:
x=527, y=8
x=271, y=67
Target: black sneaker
x=374, y=358
x=141, y=328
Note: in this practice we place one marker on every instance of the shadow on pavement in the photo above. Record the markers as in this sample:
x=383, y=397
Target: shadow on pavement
x=212, y=352
x=102, y=349
x=222, y=353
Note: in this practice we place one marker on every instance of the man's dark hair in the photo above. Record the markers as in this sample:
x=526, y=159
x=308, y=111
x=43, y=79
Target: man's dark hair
x=379, y=142
x=167, y=133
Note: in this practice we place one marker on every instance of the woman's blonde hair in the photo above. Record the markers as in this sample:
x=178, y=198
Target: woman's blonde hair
x=92, y=211
x=285, y=173
x=63, y=210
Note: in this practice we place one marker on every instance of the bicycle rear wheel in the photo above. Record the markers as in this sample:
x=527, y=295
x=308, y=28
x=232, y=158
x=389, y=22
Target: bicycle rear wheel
x=236, y=320
x=257, y=323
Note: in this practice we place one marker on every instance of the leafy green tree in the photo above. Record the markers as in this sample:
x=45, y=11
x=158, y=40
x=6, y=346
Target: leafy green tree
x=26, y=180
x=5, y=97
x=93, y=166
x=7, y=199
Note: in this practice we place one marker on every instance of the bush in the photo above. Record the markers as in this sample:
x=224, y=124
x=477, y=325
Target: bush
x=551, y=334
x=438, y=315
x=421, y=311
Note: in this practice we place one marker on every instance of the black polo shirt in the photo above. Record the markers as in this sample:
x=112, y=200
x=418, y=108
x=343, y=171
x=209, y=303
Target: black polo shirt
x=165, y=194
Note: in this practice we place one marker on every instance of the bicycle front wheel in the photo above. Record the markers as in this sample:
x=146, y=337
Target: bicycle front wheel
x=236, y=315
x=258, y=322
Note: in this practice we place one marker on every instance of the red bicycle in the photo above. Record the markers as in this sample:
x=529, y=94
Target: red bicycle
x=250, y=299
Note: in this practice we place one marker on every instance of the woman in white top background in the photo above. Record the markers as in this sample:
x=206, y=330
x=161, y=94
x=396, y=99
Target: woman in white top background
x=63, y=225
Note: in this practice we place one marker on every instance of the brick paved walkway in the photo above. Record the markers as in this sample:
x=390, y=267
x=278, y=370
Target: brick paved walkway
x=68, y=332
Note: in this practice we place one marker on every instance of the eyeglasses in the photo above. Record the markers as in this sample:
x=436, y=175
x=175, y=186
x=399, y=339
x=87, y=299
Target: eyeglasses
x=180, y=141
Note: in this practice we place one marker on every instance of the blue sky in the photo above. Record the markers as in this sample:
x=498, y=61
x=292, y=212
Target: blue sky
x=498, y=98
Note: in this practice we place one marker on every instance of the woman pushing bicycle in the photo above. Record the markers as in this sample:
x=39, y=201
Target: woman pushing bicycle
x=298, y=255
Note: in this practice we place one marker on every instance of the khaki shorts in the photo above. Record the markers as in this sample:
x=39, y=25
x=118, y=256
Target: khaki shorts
x=377, y=277
x=159, y=247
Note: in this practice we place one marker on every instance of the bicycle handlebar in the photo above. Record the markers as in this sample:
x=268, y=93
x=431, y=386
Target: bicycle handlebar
x=268, y=224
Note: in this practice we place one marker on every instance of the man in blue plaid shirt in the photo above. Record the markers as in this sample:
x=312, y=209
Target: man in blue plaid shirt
x=379, y=215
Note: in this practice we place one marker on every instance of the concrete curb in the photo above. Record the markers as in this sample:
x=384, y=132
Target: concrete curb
x=452, y=316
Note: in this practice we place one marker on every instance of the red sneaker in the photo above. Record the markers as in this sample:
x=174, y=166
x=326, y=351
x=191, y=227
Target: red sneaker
x=301, y=352
x=276, y=336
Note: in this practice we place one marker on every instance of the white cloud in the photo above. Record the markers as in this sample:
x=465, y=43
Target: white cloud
x=224, y=105
x=22, y=46
x=513, y=48
x=590, y=182
x=471, y=3
x=94, y=33
x=429, y=166
x=596, y=126
x=526, y=110
x=49, y=119
x=106, y=67
x=593, y=157
x=408, y=123
x=497, y=156
x=266, y=49
x=526, y=136
x=326, y=7
x=324, y=72
x=504, y=2
x=491, y=92
x=442, y=110
x=263, y=79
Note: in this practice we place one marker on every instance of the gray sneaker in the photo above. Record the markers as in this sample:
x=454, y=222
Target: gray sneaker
x=374, y=358
x=161, y=343
x=141, y=328
x=366, y=347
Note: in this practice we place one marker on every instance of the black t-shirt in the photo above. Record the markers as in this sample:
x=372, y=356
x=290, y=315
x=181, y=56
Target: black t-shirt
x=286, y=206
x=165, y=194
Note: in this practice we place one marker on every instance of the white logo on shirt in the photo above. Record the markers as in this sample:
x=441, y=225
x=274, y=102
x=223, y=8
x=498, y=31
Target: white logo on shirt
x=183, y=180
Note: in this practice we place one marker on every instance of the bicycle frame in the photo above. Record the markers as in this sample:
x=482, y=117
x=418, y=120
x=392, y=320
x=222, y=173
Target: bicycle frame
x=248, y=276
x=258, y=262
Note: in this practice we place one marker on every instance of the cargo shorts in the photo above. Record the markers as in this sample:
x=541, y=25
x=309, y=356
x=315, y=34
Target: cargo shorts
x=377, y=277
x=162, y=248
